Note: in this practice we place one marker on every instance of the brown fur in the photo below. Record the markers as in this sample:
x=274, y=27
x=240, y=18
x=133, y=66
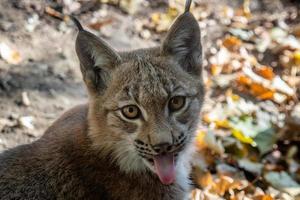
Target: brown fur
x=93, y=151
x=63, y=160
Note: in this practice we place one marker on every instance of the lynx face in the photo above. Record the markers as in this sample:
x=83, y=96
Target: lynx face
x=144, y=105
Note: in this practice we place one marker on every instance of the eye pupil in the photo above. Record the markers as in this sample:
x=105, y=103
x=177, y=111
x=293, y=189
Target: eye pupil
x=175, y=101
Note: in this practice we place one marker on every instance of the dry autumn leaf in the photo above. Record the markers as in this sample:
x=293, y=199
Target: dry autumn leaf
x=266, y=72
x=9, y=55
x=215, y=69
x=232, y=43
x=205, y=179
x=297, y=58
x=263, y=197
x=261, y=92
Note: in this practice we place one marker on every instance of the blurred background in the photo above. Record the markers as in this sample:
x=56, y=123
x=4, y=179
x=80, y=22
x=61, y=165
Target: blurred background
x=248, y=141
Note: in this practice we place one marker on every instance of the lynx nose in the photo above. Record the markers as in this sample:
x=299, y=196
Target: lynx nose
x=162, y=148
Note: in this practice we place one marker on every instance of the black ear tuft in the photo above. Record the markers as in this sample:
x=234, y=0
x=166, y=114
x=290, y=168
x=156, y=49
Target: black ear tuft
x=77, y=23
x=187, y=5
x=183, y=43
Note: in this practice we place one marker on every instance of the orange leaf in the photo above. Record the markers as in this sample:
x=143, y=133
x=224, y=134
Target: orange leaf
x=266, y=72
x=99, y=24
x=244, y=80
x=263, y=197
x=261, y=92
x=222, y=185
x=232, y=43
x=205, y=180
x=266, y=96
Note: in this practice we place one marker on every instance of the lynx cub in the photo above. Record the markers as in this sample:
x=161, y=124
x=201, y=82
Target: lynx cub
x=133, y=139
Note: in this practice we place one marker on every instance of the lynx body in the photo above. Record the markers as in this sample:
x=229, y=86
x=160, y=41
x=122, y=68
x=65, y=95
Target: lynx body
x=133, y=140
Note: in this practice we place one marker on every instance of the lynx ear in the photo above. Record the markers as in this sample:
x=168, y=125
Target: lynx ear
x=96, y=58
x=183, y=43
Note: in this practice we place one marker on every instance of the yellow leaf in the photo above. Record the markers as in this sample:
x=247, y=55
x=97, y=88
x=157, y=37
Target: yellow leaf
x=241, y=137
x=206, y=118
x=234, y=97
x=297, y=57
x=215, y=69
x=200, y=140
x=222, y=124
x=246, y=8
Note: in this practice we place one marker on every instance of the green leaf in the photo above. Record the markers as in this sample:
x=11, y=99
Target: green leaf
x=250, y=166
x=283, y=182
x=265, y=140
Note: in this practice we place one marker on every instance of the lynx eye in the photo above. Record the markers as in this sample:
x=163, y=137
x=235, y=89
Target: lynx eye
x=131, y=111
x=176, y=103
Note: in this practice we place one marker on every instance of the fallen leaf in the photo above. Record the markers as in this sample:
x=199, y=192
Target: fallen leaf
x=9, y=55
x=215, y=69
x=265, y=140
x=208, y=140
x=99, y=24
x=283, y=181
x=263, y=197
x=243, y=80
x=25, y=99
x=205, y=180
x=261, y=92
x=241, y=137
x=282, y=86
x=243, y=34
x=27, y=122
x=266, y=72
x=297, y=58
x=250, y=166
x=232, y=43
x=54, y=13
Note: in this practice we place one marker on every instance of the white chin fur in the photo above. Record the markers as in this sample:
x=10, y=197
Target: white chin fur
x=130, y=162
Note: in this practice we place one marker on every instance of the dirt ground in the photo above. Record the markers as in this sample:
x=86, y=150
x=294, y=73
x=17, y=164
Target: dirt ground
x=49, y=72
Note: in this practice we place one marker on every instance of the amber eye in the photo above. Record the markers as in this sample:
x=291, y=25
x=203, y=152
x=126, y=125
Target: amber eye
x=131, y=111
x=176, y=103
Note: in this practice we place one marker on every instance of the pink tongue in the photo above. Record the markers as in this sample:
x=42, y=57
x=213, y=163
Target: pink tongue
x=165, y=168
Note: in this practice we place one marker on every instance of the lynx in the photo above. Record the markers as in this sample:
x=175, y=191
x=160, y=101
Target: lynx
x=133, y=140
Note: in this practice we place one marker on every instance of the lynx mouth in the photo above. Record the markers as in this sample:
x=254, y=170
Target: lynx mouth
x=163, y=164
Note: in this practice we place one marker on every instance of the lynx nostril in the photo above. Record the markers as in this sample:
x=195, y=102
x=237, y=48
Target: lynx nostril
x=162, y=148
x=157, y=149
x=169, y=148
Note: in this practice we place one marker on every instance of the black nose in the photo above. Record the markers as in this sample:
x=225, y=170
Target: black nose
x=162, y=148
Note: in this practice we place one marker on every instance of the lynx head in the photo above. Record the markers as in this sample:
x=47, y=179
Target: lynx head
x=144, y=105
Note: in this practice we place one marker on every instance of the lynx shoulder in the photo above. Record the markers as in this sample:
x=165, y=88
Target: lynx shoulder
x=134, y=138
